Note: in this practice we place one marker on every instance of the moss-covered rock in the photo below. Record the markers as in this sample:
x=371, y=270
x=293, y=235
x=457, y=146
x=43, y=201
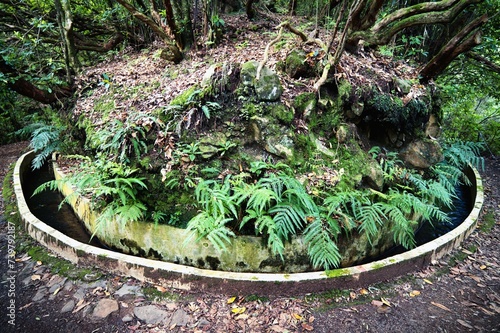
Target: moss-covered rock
x=296, y=65
x=267, y=88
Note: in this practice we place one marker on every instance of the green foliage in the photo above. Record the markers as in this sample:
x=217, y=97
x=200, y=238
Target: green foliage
x=45, y=139
x=111, y=186
x=125, y=141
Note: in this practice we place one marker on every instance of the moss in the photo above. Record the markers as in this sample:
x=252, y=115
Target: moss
x=282, y=113
x=153, y=294
x=334, y=273
x=9, y=199
x=355, y=163
x=488, y=222
x=184, y=96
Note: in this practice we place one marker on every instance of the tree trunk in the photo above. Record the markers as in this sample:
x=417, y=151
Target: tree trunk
x=443, y=11
x=26, y=88
x=176, y=54
x=463, y=41
x=249, y=9
x=65, y=22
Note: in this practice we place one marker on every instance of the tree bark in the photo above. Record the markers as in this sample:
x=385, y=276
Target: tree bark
x=463, y=41
x=26, y=88
x=172, y=47
x=482, y=60
x=443, y=11
x=65, y=22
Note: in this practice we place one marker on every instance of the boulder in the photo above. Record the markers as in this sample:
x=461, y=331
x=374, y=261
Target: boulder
x=267, y=88
x=422, y=154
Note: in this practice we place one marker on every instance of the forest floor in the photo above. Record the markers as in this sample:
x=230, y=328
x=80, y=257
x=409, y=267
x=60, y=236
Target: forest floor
x=459, y=293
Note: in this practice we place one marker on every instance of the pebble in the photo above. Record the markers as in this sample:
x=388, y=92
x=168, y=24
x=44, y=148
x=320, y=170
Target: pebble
x=179, y=318
x=127, y=318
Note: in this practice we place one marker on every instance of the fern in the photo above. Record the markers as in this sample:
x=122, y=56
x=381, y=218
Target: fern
x=322, y=250
x=45, y=139
x=212, y=227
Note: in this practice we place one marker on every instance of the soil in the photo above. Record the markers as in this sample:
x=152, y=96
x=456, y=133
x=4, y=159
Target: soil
x=459, y=293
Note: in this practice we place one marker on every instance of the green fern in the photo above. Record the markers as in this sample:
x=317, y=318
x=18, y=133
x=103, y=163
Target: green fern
x=322, y=249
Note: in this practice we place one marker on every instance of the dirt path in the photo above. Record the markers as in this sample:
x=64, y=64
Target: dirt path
x=460, y=293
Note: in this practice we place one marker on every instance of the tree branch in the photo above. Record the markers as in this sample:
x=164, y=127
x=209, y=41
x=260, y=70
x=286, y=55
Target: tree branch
x=479, y=58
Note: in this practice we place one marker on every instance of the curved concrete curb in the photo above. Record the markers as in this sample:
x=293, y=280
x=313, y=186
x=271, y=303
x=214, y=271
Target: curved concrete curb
x=195, y=279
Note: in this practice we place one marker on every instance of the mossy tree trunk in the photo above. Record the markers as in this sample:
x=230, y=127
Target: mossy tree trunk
x=373, y=33
x=175, y=52
x=65, y=23
x=463, y=41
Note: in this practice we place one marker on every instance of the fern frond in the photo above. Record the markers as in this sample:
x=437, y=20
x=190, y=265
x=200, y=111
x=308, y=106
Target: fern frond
x=288, y=220
x=322, y=250
x=370, y=217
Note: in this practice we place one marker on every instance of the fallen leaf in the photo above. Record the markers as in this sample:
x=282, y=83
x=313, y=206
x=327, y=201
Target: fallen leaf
x=80, y=307
x=377, y=303
x=297, y=316
x=386, y=302
x=352, y=294
x=464, y=323
x=383, y=309
x=427, y=281
x=242, y=316
x=475, y=278
x=363, y=292
x=35, y=277
x=311, y=319
x=414, y=293
x=161, y=289
x=80, y=302
x=231, y=300
x=57, y=290
x=441, y=306
x=307, y=327
x=26, y=306
x=483, y=267
x=238, y=310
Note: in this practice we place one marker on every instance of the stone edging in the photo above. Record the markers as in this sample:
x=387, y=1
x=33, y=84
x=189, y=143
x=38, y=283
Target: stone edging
x=195, y=279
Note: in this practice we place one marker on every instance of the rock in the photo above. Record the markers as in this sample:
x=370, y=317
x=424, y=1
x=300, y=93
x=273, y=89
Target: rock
x=129, y=290
x=105, y=307
x=150, y=314
x=375, y=177
x=40, y=294
x=296, y=66
x=267, y=87
x=304, y=104
x=422, y=154
x=404, y=86
x=69, y=306
x=127, y=318
x=179, y=318
x=432, y=129
x=80, y=293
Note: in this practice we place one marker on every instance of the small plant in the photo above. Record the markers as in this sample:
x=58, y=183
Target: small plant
x=106, y=81
x=110, y=186
x=45, y=139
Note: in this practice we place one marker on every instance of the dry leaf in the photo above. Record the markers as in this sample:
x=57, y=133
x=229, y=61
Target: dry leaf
x=78, y=308
x=427, y=281
x=414, y=293
x=441, y=306
x=57, y=290
x=311, y=319
x=307, y=327
x=364, y=292
x=297, y=316
x=161, y=289
x=231, y=300
x=483, y=267
x=377, y=303
x=464, y=323
x=238, y=310
x=386, y=302
x=352, y=294
x=242, y=316
x=35, y=277
x=475, y=278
